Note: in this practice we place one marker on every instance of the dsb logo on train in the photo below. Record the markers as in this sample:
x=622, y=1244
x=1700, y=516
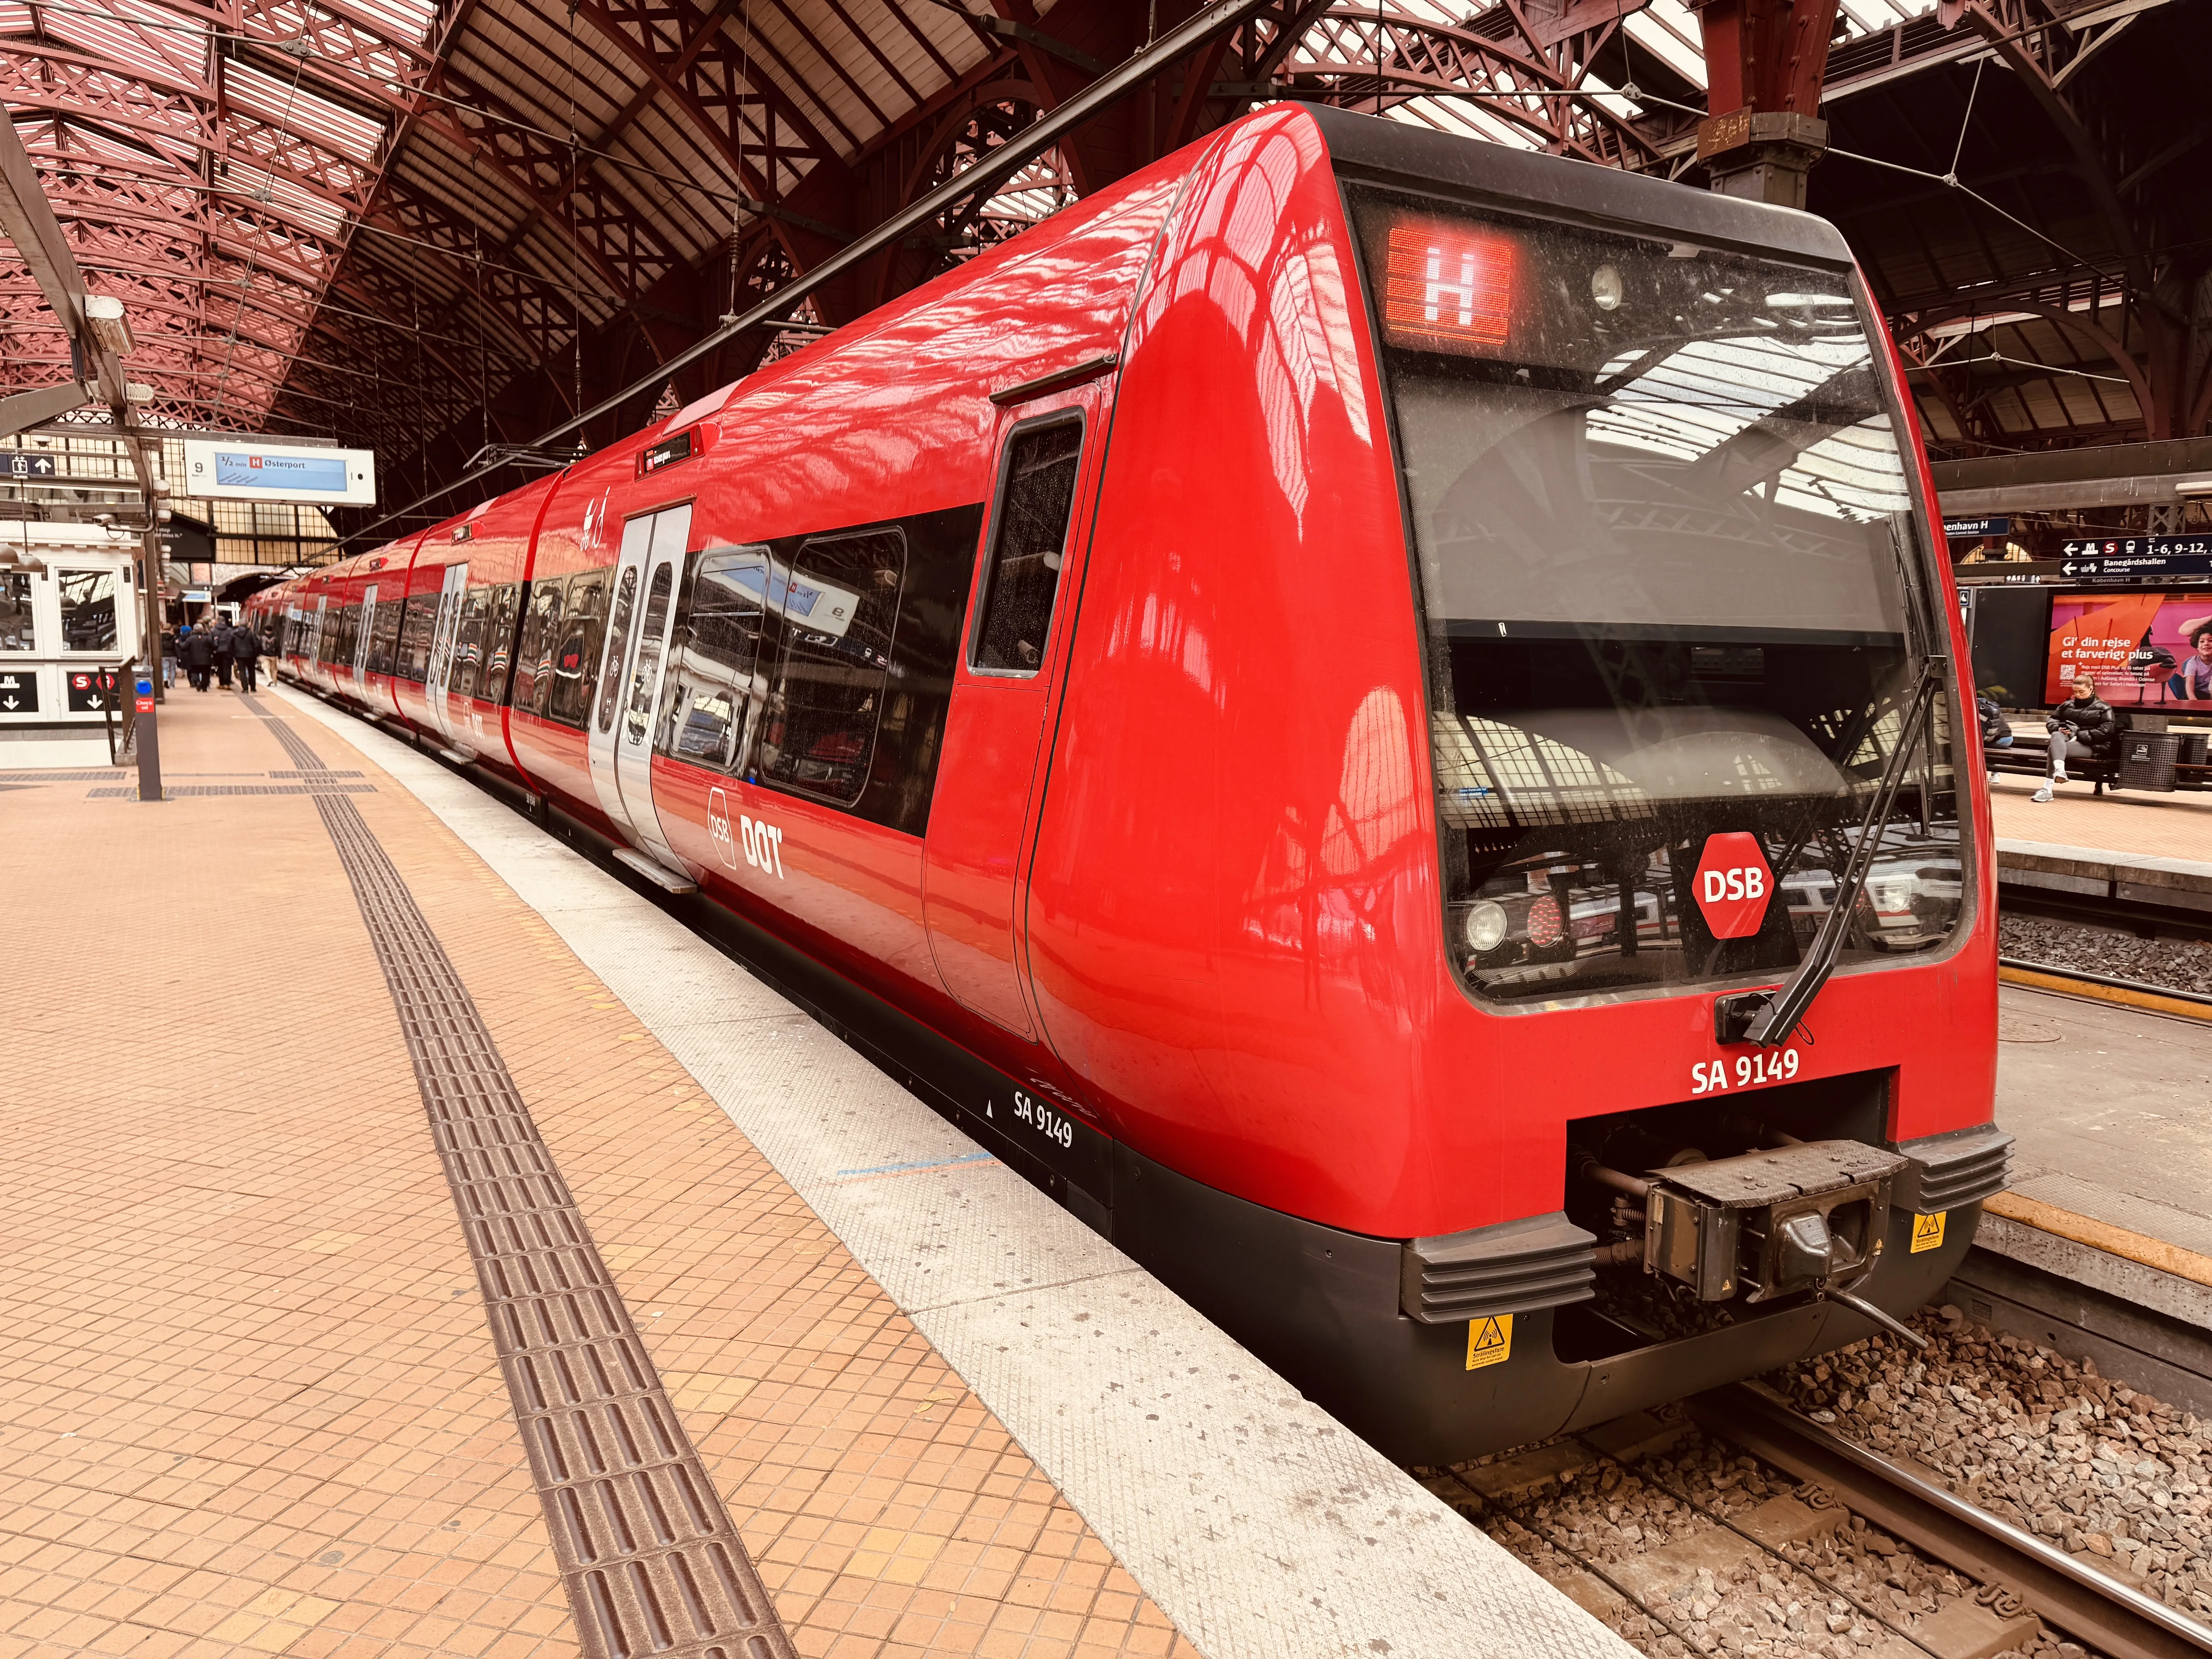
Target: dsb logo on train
x=1733, y=885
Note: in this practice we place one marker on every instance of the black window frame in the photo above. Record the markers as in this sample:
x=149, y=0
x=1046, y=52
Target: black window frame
x=543, y=607
x=594, y=648
x=987, y=571
x=779, y=696
x=418, y=628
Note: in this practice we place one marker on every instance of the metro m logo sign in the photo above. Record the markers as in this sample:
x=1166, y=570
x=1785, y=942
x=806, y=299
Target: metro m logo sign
x=1732, y=884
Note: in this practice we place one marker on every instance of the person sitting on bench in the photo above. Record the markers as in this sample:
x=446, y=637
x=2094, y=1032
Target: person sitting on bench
x=2083, y=727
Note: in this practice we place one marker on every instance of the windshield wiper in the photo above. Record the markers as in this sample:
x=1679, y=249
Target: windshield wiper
x=1768, y=1017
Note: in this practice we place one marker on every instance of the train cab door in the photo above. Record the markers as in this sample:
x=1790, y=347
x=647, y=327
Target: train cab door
x=662, y=579
x=439, y=674
x=1001, y=696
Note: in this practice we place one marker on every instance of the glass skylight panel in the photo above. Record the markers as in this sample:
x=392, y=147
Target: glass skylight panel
x=299, y=110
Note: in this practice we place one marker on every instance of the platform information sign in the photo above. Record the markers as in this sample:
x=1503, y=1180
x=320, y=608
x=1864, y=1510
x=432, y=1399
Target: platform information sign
x=257, y=470
x=1965, y=529
x=2148, y=559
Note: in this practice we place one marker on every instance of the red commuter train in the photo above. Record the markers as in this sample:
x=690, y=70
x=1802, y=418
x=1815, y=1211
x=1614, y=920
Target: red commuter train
x=1377, y=713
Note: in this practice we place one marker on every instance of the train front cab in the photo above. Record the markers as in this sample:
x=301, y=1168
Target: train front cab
x=1495, y=552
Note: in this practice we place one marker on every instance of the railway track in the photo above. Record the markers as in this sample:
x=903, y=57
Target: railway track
x=2103, y=987
x=1828, y=1485
x=2098, y=1611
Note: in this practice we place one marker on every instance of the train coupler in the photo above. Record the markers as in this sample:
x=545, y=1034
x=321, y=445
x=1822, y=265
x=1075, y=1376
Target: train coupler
x=1807, y=1217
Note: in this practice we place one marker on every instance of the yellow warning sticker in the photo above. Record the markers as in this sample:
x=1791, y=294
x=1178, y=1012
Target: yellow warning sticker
x=1927, y=1232
x=1489, y=1341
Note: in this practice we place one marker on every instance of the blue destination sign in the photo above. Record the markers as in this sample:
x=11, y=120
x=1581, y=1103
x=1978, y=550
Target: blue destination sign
x=250, y=470
x=2146, y=560
x=1960, y=529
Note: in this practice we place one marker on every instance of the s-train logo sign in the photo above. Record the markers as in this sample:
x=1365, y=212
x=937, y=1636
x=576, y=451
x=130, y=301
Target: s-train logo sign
x=1733, y=884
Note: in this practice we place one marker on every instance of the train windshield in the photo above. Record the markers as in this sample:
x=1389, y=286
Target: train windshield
x=1676, y=600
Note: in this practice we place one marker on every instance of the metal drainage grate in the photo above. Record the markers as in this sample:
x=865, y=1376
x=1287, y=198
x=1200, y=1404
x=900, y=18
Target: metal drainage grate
x=650, y=1560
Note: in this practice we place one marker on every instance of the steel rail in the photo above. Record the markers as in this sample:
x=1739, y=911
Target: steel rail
x=2198, y=1004
x=2106, y=1615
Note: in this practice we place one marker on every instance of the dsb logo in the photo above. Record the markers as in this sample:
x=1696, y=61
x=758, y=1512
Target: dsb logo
x=1733, y=884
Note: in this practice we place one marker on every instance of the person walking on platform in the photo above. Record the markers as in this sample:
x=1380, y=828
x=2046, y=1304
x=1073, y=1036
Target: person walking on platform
x=198, y=647
x=224, y=634
x=2083, y=727
x=245, y=652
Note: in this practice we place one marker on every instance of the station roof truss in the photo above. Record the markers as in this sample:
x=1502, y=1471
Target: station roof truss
x=435, y=226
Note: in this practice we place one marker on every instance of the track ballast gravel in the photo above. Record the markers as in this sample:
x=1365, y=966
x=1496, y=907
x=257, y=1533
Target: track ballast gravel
x=2041, y=1441
x=2178, y=964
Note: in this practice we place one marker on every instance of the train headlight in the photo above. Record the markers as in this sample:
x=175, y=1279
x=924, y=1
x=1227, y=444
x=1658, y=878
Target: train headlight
x=1486, y=926
x=1604, y=287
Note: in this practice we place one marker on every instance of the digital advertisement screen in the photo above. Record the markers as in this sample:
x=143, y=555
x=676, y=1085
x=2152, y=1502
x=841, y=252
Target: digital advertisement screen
x=2143, y=650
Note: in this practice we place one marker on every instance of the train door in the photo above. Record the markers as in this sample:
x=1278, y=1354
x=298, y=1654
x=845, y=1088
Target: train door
x=614, y=666
x=440, y=673
x=1001, y=695
x=315, y=638
x=368, y=630
x=664, y=576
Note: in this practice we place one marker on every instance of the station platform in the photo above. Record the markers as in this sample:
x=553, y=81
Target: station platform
x=421, y=1244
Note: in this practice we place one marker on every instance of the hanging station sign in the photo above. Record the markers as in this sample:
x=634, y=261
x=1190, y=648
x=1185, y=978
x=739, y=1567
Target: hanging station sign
x=258, y=470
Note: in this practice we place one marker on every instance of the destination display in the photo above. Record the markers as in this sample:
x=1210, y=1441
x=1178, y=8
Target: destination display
x=252, y=470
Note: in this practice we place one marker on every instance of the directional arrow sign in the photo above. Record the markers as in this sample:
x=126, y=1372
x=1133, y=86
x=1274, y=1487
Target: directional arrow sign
x=2146, y=560
x=19, y=694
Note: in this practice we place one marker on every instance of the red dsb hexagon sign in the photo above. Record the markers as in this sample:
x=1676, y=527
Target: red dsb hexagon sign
x=1733, y=884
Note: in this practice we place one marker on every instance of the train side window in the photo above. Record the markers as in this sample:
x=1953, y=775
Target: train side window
x=343, y=636
x=469, y=643
x=716, y=662
x=840, y=607
x=577, y=661
x=1029, y=543
x=418, y=628
x=534, y=657
x=617, y=644
x=18, y=631
x=384, y=639
x=499, y=643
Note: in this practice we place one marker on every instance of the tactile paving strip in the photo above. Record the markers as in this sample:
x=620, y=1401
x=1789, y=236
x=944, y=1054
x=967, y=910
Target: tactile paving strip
x=177, y=791
x=652, y=1564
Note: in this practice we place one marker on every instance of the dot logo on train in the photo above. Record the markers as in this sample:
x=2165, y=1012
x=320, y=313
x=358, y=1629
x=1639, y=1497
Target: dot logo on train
x=1733, y=884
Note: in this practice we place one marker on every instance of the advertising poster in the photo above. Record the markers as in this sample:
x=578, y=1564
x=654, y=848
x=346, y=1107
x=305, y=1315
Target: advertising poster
x=2144, y=650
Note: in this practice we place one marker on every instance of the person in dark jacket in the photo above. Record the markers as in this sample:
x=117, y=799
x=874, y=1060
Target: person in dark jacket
x=2083, y=727
x=245, y=652
x=224, y=634
x=198, y=649
x=1997, y=731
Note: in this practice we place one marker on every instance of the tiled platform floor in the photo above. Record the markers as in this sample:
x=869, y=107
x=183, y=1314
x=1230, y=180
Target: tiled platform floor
x=248, y=1402
x=2175, y=826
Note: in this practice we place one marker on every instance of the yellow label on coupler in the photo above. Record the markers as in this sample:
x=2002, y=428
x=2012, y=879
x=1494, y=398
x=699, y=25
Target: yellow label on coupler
x=1489, y=1341
x=1927, y=1232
